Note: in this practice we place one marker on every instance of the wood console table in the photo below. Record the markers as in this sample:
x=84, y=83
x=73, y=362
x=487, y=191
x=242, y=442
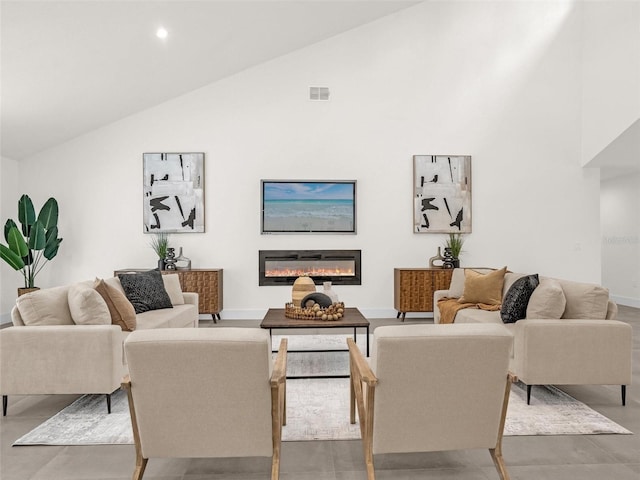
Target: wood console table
x=413, y=288
x=206, y=282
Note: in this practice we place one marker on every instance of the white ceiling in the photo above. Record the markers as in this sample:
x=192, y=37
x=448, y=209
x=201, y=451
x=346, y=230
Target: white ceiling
x=68, y=67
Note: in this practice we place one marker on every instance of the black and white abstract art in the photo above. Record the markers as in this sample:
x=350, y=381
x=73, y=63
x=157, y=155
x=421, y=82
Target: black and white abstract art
x=441, y=194
x=173, y=192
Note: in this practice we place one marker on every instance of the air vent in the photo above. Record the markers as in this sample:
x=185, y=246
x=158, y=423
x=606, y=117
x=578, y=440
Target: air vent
x=319, y=93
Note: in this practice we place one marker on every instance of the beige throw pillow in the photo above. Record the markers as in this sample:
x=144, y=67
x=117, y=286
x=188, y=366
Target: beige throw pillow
x=121, y=311
x=174, y=290
x=483, y=288
x=547, y=301
x=585, y=300
x=48, y=306
x=87, y=306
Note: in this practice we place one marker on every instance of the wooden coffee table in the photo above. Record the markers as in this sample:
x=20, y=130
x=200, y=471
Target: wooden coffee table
x=275, y=319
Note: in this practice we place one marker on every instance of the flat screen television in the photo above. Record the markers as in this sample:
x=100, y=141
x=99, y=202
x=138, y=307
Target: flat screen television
x=308, y=206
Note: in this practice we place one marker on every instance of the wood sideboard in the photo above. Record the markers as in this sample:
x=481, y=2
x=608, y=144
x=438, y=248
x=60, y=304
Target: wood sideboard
x=413, y=288
x=206, y=282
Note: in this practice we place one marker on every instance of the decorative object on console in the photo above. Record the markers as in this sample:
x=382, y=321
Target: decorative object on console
x=308, y=206
x=454, y=243
x=39, y=244
x=447, y=262
x=329, y=292
x=160, y=242
x=442, y=193
x=173, y=192
x=516, y=300
x=182, y=262
x=314, y=311
x=437, y=258
x=169, y=260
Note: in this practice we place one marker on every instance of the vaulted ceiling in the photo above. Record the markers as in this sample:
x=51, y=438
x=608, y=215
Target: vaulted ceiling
x=68, y=67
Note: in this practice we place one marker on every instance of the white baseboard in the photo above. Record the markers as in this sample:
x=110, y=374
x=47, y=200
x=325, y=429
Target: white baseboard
x=626, y=301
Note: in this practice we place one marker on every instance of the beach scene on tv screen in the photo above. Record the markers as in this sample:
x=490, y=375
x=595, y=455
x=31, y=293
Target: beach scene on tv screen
x=308, y=207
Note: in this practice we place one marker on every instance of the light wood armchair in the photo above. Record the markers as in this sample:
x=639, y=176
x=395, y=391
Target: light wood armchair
x=432, y=388
x=205, y=393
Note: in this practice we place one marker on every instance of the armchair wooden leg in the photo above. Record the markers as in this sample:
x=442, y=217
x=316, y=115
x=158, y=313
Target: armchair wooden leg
x=498, y=461
x=141, y=464
x=5, y=401
x=624, y=394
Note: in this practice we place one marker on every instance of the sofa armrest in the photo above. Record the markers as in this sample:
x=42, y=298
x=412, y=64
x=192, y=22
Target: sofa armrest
x=61, y=359
x=572, y=352
x=191, y=298
x=437, y=295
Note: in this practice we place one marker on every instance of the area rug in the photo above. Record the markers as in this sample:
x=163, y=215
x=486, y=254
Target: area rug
x=318, y=409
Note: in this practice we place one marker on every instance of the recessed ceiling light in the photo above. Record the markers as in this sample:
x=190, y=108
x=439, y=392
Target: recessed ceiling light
x=162, y=32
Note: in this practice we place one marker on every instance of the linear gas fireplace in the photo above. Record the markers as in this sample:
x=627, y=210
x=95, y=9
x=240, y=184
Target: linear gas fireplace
x=282, y=267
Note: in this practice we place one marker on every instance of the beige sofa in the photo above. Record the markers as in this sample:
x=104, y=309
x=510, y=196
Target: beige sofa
x=63, y=342
x=568, y=337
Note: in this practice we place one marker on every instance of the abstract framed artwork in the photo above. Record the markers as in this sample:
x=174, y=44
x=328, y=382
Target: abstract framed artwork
x=173, y=192
x=441, y=194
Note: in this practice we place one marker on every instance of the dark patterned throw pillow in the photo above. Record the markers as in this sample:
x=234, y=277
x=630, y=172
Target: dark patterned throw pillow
x=145, y=290
x=515, y=301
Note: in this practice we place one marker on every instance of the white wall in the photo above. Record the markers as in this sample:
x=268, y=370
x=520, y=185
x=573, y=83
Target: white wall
x=495, y=80
x=611, y=75
x=10, y=280
x=619, y=202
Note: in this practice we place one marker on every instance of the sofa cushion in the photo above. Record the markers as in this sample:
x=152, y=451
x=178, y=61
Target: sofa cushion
x=515, y=301
x=145, y=290
x=48, y=306
x=584, y=300
x=174, y=290
x=476, y=315
x=87, y=306
x=120, y=309
x=547, y=300
x=180, y=316
x=483, y=288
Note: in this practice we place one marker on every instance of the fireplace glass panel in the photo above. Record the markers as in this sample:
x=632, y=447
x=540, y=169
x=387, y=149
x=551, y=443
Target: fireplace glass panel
x=312, y=268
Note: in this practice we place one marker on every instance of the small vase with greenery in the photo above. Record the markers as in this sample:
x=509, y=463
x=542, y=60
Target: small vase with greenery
x=160, y=242
x=29, y=248
x=454, y=244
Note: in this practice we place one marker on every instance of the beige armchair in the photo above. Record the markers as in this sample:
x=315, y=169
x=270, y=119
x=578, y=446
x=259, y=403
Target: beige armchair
x=205, y=393
x=432, y=388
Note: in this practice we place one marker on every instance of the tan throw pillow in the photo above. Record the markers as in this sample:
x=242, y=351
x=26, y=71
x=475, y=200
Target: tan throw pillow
x=172, y=286
x=87, y=306
x=547, y=301
x=121, y=311
x=483, y=288
x=48, y=306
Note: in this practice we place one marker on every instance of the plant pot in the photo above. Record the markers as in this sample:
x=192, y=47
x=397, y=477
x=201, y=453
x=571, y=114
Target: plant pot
x=22, y=291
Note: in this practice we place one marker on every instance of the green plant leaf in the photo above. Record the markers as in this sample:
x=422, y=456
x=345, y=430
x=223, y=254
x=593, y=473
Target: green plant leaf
x=26, y=214
x=51, y=250
x=52, y=233
x=7, y=226
x=16, y=242
x=38, y=237
x=11, y=258
x=48, y=215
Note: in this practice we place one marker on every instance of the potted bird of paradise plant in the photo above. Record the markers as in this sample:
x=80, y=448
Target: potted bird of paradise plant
x=30, y=247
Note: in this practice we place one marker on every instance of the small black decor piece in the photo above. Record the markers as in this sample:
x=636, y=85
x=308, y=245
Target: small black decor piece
x=448, y=261
x=316, y=297
x=170, y=259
